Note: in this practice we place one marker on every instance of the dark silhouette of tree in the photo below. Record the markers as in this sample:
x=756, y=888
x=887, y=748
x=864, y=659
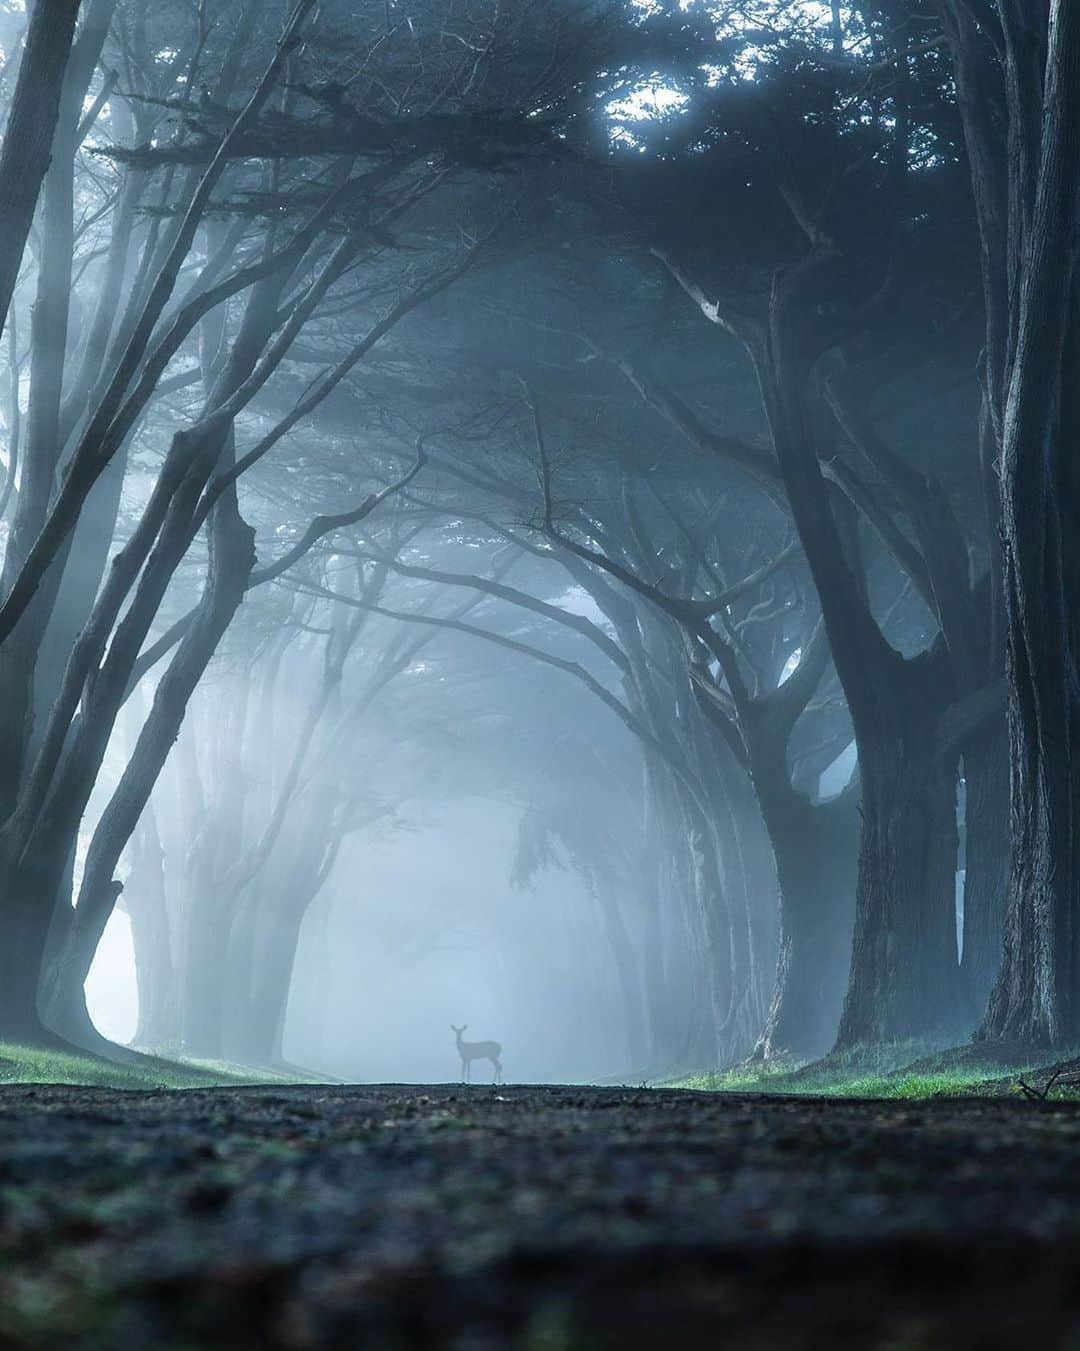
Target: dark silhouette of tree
x=1018, y=88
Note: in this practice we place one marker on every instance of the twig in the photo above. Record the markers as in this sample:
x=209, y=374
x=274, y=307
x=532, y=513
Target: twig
x=1041, y=1095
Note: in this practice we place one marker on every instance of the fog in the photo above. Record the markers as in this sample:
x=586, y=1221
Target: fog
x=498, y=530
x=538, y=572
x=384, y=985
x=379, y=979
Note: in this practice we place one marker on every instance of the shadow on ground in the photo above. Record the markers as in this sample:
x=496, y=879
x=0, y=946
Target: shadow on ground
x=539, y=1218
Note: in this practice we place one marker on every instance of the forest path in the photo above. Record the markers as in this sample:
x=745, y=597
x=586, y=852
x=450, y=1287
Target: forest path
x=547, y=1219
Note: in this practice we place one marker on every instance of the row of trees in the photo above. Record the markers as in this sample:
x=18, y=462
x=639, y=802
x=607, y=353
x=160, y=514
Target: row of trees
x=176, y=295
x=752, y=345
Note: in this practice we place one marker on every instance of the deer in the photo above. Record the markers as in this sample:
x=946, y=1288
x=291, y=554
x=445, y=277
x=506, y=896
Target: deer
x=477, y=1050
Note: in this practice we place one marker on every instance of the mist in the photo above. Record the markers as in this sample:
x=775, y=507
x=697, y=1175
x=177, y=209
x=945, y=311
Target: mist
x=377, y=975
x=503, y=525
x=539, y=579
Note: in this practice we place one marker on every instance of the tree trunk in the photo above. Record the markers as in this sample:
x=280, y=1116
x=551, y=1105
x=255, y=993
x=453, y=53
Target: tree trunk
x=62, y=994
x=715, y=918
x=1037, y=997
x=232, y=556
x=26, y=926
x=31, y=124
x=628, y=976
x=147, y=909
x=904, y=976
x=904, y=970
x=260, y=1036
x=19, y=654
x=738, y=1030
x=986, y=874
x=1018, y=84
x=656, y=895
x=203, y=981
x=816, y=850
x=48, y=346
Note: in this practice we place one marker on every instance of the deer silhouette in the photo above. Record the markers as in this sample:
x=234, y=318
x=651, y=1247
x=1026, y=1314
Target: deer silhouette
x=477, y=1050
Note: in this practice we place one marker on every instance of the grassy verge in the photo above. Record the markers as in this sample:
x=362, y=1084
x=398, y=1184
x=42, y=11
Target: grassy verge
x=909, y=1070
x=30, y=1065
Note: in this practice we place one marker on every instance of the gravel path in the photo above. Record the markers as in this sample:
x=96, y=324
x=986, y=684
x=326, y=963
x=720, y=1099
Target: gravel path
x=546, y=1219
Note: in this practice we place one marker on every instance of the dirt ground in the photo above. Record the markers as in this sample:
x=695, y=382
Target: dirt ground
x=547, y=1219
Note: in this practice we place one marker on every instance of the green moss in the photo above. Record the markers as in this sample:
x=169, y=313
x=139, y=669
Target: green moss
x=32, y=1065
x=909, y=1070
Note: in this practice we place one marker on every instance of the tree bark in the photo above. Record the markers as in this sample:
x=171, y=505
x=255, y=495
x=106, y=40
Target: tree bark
x=232, y=557
x=155, y=971
x=816, y=853
x=49, y=342
x=904, y=967
x=986, y=874
x=628, y=975
x=1037, y=997
x=904, y=977
x=28, y=136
